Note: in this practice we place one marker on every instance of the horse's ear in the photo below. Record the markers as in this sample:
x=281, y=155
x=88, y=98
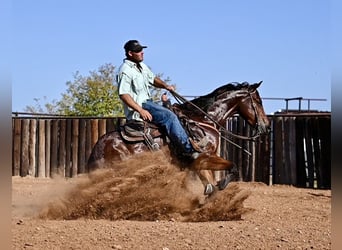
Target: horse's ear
x=254, y=86
x=258, y=84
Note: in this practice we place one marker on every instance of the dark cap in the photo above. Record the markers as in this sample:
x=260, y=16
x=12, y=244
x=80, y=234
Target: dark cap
x=133, y=45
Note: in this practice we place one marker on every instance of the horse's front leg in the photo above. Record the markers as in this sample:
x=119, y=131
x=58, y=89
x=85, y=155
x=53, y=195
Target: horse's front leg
x=231, y=175
x=208, y=180
x=206, y=161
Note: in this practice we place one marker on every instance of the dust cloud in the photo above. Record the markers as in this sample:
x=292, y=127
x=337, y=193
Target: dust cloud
x=146, y=188
x=31, y=194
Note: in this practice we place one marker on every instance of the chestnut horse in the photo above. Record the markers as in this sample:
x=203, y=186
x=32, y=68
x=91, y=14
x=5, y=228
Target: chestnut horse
x=203, y=118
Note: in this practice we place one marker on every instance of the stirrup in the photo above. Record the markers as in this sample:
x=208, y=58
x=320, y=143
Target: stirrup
x=195, y=146
x=153, y=146
x=209, y=189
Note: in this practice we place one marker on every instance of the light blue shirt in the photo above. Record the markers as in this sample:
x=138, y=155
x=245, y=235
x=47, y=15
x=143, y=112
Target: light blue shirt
x=135, y=83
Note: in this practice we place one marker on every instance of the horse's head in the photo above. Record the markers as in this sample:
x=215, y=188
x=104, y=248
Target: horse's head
x=227, y=100
x=242, y=99
x=251, y=109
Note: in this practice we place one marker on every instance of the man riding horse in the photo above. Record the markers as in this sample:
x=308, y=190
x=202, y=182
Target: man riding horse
x=194, y=128
x=134, y=80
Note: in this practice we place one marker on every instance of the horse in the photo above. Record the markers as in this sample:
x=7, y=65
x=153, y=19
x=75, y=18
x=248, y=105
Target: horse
x=203, y=118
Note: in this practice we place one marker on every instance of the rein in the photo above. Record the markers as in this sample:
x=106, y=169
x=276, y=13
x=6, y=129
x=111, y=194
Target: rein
x=180, y=98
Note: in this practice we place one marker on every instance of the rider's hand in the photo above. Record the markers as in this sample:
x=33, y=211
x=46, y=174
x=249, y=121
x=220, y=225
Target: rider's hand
x=170, y=88
x=145, y=115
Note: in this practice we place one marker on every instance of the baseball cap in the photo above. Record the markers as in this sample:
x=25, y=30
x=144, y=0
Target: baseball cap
x=133, y=45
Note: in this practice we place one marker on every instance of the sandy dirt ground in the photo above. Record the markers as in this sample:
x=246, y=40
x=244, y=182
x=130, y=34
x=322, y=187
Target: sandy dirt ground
x=148, y=203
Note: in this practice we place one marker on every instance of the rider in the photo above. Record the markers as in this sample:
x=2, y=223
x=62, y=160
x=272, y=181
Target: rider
x=134, y=80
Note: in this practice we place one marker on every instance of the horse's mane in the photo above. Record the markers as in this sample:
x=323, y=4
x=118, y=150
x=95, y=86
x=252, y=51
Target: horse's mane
x=207, y=100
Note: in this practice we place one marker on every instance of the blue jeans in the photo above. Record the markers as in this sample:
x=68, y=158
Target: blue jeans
x=168, y=120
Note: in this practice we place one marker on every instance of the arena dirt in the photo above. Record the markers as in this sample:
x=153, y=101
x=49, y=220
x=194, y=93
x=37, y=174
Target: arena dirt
x=148, y=203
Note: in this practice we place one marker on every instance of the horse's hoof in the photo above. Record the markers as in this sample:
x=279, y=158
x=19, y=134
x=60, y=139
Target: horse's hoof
x=223, y=183
x=209, y=189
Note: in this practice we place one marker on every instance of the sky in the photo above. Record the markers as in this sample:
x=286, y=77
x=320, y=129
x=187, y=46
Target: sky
x=199, y=44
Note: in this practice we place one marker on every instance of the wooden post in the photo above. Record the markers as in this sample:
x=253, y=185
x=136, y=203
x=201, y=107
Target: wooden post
x=88, y=142
x=16, y=147
x=94, y=131
x=41, y=149
x=68, y=152
x=74, y=147
x=81, y=146
x=263, y=159
x=286, y=153
x=61, y=152
x=110, y=125
x=47, y=147
x=253, y=161
x=32, y=148
x=300, y=153
x=24, y=170
x=309, y=152
x=238, y=127
x=102, y=127
x=292, y=150
x=54, y=147
x=277, y=151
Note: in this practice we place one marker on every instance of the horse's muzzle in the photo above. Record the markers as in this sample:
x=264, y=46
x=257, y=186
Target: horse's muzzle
x=263, y=129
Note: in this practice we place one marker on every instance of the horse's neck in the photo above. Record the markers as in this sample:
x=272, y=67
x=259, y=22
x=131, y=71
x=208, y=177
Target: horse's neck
x=226, y=105
x=221, y=111
x=217, y=107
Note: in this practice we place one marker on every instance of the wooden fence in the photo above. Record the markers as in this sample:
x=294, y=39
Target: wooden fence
x=43, y=147
x=302, y=151
x=296, y=152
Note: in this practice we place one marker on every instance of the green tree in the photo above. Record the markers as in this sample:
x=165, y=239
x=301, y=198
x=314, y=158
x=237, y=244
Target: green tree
x=93, y=95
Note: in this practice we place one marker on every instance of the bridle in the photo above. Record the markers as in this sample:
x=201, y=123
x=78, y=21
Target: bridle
x=257, y=117
x=223, y=130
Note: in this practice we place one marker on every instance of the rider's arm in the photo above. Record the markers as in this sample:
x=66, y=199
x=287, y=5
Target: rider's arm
x=144, y=114
x=159, y=83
